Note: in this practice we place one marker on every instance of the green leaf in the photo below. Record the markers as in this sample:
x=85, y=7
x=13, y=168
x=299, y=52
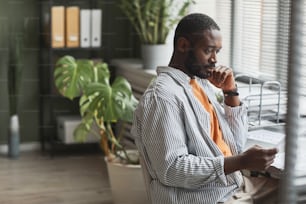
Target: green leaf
x=152, y=19
x=80, y=132
x=71, y=76
x=111, y=103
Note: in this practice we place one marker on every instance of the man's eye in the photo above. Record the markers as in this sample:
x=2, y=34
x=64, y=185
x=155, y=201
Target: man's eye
x=208, y=51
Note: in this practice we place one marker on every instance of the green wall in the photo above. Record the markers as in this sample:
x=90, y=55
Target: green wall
x=23, y=17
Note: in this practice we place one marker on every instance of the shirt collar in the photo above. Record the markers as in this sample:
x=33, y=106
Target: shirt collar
x=178, y=75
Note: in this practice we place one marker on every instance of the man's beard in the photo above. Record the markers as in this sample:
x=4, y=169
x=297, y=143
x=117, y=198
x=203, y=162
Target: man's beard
x=196, y=69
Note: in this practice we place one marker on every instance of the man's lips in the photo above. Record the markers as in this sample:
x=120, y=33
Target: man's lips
x=209, y=66
x=210, y=70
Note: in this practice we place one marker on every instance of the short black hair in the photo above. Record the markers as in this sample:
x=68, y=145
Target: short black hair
x=194, y=24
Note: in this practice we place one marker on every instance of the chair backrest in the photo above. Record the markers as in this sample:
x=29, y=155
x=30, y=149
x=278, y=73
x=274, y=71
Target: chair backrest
x=147, y=177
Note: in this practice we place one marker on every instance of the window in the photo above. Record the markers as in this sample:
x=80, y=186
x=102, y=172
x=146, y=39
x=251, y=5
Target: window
x=255, y=36
x=255, y=42
x=261, y=39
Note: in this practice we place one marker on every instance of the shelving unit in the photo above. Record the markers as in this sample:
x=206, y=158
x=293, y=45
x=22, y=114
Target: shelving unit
x=53, y=105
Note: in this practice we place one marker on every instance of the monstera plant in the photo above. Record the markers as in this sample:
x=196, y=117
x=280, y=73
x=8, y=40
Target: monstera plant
x=102, y=103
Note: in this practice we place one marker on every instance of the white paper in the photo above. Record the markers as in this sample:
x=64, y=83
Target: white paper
x=300, y=165
x=266, y=136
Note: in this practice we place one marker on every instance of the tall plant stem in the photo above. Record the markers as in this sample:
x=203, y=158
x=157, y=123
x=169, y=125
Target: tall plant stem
x=104, y=143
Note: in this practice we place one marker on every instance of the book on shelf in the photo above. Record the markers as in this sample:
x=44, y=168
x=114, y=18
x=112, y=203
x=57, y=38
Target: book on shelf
x=96, y=26
x=85, y=28
x=73, y=26
x=58, y=26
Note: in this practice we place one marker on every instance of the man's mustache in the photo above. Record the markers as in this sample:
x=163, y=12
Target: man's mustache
x=204, y=66
x=210, y=65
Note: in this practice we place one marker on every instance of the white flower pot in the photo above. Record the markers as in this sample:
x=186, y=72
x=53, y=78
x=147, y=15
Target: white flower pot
x=156, y=55
x=127, y=183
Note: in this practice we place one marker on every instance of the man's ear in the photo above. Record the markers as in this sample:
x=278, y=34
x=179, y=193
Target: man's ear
x=183, y=45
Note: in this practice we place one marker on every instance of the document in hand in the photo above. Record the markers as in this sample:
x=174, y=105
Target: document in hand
x=269, y=139
x=276, y=169
x=266, y=139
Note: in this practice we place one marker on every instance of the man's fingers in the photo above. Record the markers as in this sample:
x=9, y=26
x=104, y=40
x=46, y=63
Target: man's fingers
x=221, y=73
x=272, y=151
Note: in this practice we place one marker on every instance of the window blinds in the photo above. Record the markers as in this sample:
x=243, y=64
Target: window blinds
x=223, y=16
x=255, y=36
x=246, y=35
x=303, y=69
x=261, y=39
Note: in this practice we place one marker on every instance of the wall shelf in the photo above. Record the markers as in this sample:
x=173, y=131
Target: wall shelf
x=53, y=105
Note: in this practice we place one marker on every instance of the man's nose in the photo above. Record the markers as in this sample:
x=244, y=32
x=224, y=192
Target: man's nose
x=213, y=58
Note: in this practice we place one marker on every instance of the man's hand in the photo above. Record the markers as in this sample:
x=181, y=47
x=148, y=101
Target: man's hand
x=255, y=158
x=223, y=77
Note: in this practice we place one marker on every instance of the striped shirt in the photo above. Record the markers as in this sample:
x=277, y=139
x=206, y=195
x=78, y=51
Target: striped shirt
x=172, y=133
x=215, y=130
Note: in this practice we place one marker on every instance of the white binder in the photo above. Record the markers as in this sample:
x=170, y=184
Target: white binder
x=96, y=27
x=85, y=28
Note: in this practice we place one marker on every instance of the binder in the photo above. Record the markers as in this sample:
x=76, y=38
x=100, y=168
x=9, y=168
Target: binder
x=85, y=27
x=73, y=26
x=96, y=26
x=57, y=26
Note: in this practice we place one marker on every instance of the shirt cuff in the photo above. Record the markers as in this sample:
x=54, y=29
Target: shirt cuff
x=235, y=111
x=219, y=166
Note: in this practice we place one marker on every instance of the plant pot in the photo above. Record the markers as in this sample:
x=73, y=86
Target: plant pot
x=127, y=183
x=156, y=55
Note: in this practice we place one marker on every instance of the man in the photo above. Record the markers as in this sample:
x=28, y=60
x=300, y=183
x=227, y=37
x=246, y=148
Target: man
x=190, y=144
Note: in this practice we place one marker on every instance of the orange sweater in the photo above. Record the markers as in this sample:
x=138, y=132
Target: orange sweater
x=215, y=131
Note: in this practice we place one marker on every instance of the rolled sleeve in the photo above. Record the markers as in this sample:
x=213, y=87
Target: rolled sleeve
x=238, y=123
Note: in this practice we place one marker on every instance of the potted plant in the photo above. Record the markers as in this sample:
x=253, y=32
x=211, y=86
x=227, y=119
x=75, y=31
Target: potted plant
x=153, y=20
x=102, y=104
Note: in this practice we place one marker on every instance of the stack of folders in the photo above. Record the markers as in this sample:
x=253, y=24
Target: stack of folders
x=73, y=27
